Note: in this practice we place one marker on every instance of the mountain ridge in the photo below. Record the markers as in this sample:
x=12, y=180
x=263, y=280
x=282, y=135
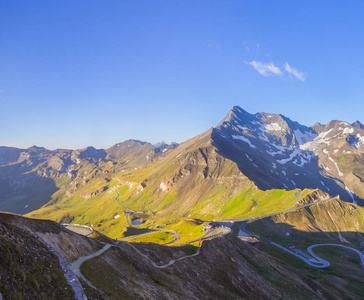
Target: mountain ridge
x=269, y=150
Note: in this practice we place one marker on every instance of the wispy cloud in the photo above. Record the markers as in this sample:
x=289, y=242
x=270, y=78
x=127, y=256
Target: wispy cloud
x=294, y=72
x=265, y=69
x=268, y=69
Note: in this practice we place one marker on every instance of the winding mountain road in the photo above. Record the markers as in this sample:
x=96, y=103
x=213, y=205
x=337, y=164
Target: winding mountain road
x=171, y=262
x=314, y=261
x=75, y=266
x=174, y=233
x=309, y=249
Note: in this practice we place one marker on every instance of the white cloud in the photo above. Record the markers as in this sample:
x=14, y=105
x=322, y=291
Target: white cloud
x=294, y=72
x=265, y=69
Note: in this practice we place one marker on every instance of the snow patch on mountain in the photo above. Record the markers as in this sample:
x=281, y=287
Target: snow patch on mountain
x=274, y=127
x=348, y=130
x=324, y=185
x=320, y=139
x=248, y=157
x=337, y=167
x=244, y=139
x=304, y=137
x=162, y=186
x=297, y=156
x=351, y=194
x=360, y=141
x=242, y=127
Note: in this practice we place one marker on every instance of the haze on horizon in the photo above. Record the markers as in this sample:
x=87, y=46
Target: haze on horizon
x=75, y=74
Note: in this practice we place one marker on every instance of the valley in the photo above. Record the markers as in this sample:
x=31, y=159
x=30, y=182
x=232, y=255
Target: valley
x=150, y=219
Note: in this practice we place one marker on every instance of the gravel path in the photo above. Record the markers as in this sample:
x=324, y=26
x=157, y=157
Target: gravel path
x=68, y=273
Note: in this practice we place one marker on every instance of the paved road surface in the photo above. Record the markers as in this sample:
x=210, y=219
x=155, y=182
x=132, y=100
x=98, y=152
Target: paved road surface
x=243, y=231
x=309, y=249
x=315, y=261
x=75, y=267
x=298, y=195
x=171, y=262
x=80, y=230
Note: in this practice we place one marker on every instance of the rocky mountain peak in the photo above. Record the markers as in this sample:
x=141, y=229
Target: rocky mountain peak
x=318, y=127
x=265, y=126
x=236, y=115
x=276, y=152
x=357, y=124
x=92, y=152
x=35, y=149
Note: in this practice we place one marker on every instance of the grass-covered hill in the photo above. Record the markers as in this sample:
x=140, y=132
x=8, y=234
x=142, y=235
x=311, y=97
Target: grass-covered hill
x=191, y=181
x=331, y=221
x=249, y=165
x=30, y=178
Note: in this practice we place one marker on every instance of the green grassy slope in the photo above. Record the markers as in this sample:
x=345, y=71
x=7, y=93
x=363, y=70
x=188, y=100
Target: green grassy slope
x=332, y=221
x=192, y=181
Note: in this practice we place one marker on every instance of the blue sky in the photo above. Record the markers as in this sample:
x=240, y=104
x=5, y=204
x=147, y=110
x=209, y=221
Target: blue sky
x=79, y=73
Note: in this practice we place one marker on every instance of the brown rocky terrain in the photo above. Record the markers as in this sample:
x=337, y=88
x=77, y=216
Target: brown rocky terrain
x=226, y=268
x=69, y=244
x=28, y=270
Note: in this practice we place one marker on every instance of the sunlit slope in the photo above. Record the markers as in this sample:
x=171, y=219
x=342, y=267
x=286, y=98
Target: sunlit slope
x=325, y=222
x=193, y=180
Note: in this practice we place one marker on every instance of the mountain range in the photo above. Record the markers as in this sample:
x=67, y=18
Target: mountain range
x=264, y=151
x=293, y=183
